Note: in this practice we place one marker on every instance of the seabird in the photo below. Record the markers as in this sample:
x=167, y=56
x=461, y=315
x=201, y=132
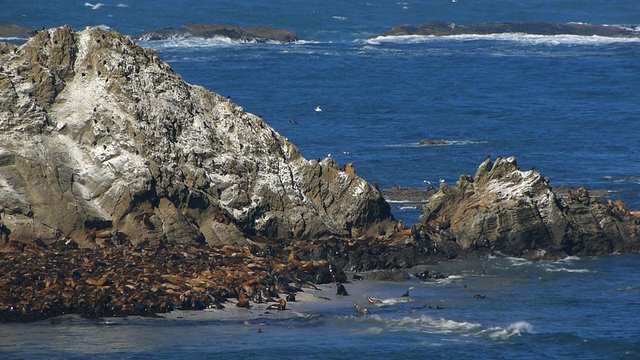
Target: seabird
x=318, y=109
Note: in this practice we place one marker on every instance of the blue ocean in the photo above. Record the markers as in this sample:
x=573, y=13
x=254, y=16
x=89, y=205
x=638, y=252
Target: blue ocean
x=567, y=105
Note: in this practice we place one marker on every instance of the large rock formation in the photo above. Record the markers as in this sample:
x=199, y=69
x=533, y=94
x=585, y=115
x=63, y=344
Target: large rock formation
x=439, y=28
x=251, y=34
x=516, y=212
x=99, y=138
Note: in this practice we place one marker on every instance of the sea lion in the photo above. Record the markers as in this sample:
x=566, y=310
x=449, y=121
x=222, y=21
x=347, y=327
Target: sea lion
x=406, y=293
x=341, y=290
x=349, y=168
x=281, y=305
x=243, y=302
x=360, y=310
x=583, y=193
x=373, y=301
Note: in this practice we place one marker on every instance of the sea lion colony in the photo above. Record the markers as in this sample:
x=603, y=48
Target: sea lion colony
x=143, y=279
x=119, y=278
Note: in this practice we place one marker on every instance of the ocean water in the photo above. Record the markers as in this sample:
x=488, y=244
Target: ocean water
x=566, y=105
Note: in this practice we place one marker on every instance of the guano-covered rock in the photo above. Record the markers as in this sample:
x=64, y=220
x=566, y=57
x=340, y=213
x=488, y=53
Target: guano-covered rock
x=99, y=139
x=516, y=212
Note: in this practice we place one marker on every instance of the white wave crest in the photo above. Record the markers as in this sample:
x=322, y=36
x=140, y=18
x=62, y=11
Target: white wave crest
x=189, y=42
x=499, y=333
x=94, y=6
x=563, y=269
x=393, y=301
x=512, y=37
x=427, y=324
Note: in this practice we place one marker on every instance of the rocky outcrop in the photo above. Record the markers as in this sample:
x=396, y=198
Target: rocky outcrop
x=516, y=212
x=9, y=30
x=100, y=139
x=439, y=28
x=258, y=34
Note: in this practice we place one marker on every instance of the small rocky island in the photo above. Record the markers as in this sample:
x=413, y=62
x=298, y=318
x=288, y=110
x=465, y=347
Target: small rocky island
x=125, y=190
x=257, y=34
x=440, y=28
x=9, y=30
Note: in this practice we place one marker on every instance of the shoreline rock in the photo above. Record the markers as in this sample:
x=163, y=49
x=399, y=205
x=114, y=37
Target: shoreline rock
x=440, y=28
x=257, y=34
x=503, y=209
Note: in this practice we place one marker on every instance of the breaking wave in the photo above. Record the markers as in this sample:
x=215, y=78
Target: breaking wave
x=510, y=37
x=427, y=324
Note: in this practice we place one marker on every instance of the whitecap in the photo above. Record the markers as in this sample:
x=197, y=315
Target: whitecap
x=393, y=301
x=339, y=17
x=499, y=333
x=530, y=39
x=94, y=6
x=189, y=42
x=562, y=269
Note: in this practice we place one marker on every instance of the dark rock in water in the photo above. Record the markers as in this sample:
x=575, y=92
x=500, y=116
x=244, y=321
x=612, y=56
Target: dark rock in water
x=251, y=34
x=389, y=275
x=503, y=209
x=432, y=142
x=438, y=28
x=9, y=30
x=429, y=274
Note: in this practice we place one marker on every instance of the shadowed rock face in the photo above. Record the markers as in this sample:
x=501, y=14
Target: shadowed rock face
x=504, y=209
x=100, y=138
x=251, y=34
x=438, y=28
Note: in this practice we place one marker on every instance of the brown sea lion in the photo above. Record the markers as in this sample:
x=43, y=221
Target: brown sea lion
x=281, y=305
x=583, y=193
x=360, y=310
x=349, y=168
x=373, y=301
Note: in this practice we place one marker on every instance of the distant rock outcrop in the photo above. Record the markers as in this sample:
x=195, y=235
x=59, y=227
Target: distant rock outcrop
x=99, y=139
x=258, y=34
x=516, y=212
x=439, y=28
x=9, y=30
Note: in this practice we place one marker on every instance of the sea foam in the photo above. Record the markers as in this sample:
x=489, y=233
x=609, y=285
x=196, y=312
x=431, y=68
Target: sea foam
x=510, y=37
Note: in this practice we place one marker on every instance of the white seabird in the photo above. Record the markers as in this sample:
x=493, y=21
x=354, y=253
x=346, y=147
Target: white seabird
x=318, y=109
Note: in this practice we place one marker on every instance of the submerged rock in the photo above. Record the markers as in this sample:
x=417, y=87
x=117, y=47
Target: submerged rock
x=504, y=209
x=439, y=28
x=100, y=137
x=257, y=34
